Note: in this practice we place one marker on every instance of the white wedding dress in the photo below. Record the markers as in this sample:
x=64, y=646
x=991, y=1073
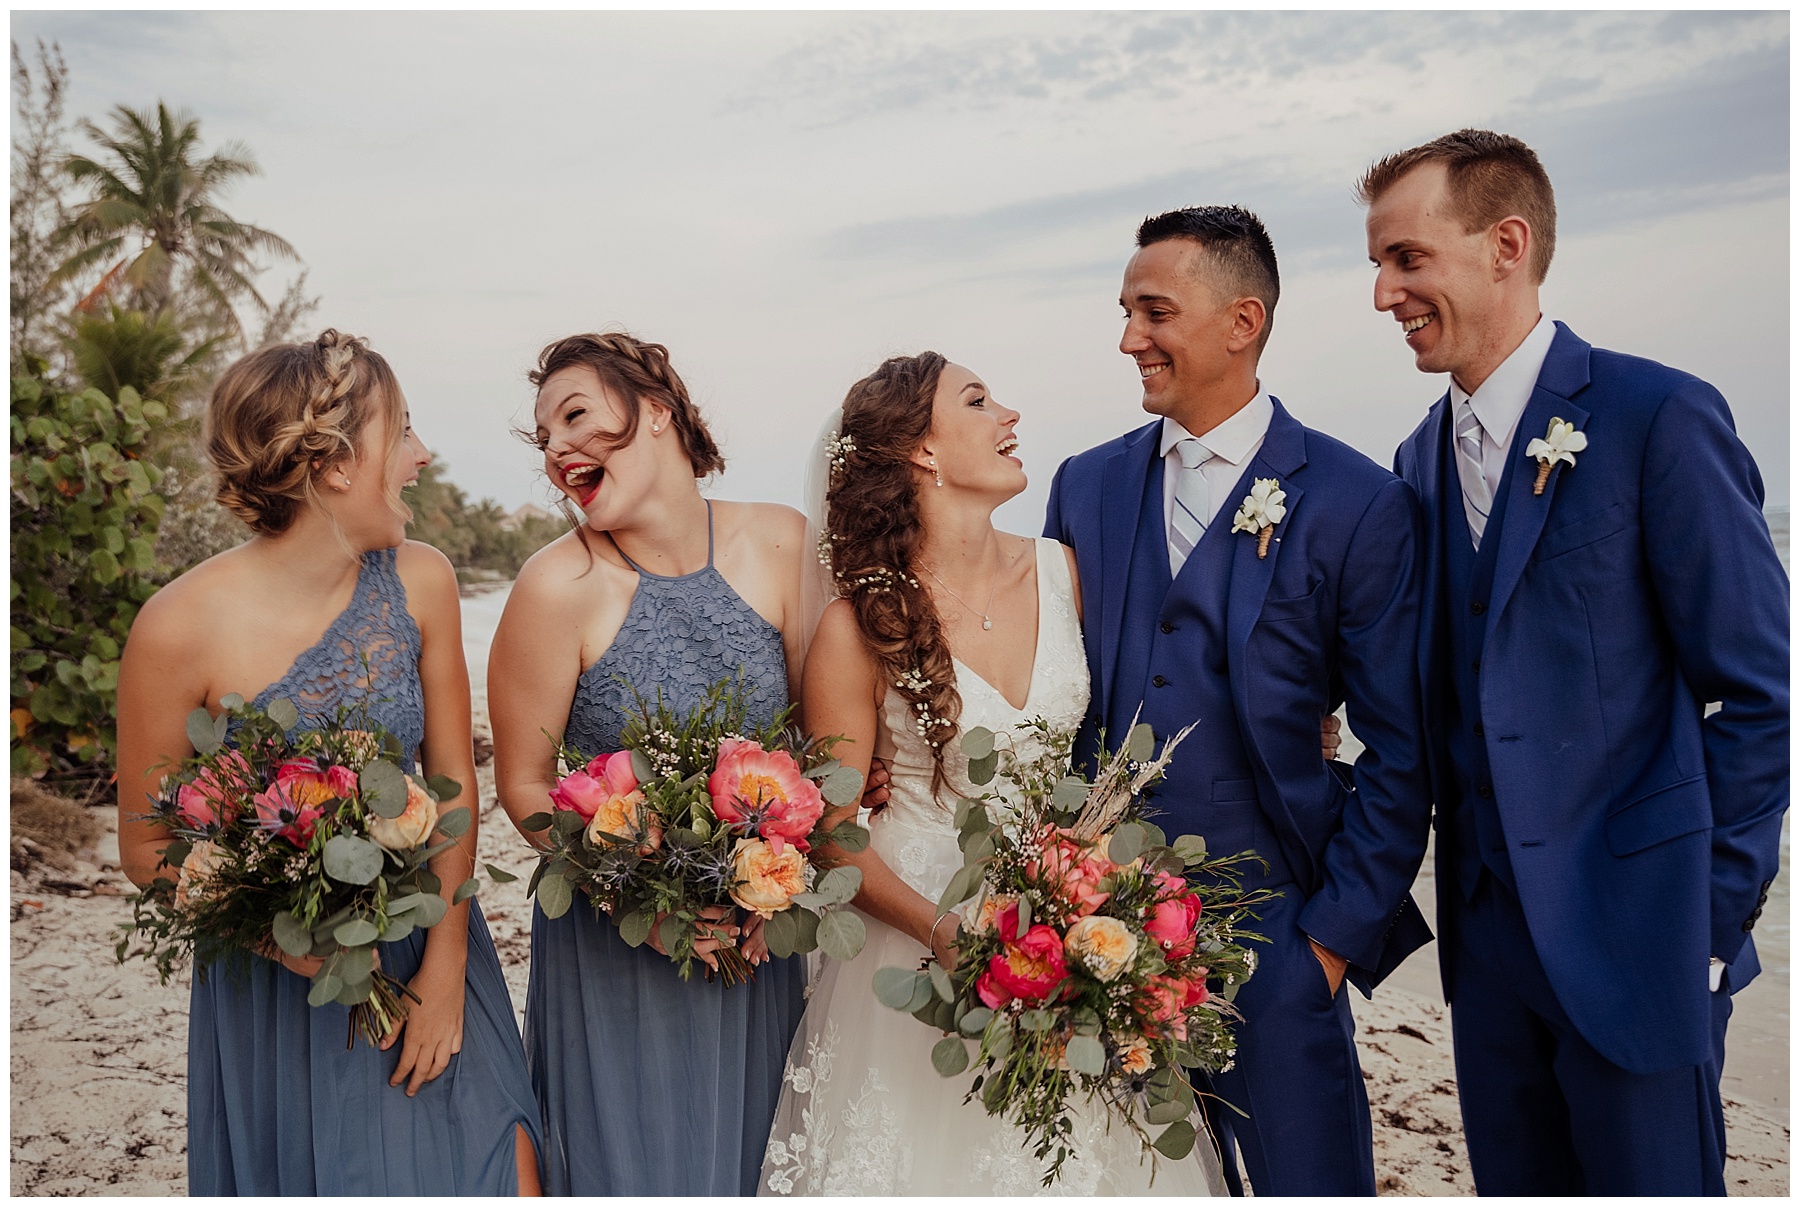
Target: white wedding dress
x=862, y=1110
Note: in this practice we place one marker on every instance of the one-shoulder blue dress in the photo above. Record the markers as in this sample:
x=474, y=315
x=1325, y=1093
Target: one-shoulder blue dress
x=652, y=1085
x=276, y=1104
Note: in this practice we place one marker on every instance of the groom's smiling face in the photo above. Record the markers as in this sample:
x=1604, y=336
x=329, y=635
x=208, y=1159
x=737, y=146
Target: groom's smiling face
x=1176, y=329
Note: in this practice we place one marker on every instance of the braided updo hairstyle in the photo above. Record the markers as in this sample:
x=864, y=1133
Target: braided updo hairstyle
x=284, y=414
x=874, y=532
x=635, y=371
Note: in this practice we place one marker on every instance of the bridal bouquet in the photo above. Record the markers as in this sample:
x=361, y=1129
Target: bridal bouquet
x=1084, y=958
x=317, y=840
x=696, y=818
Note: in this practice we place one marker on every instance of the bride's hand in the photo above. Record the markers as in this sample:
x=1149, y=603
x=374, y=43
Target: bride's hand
x=754, y=946
x=943, y=940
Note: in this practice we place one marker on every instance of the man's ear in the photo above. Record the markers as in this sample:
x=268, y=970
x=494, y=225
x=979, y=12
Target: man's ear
x=1510, y=242
x=1248, y=318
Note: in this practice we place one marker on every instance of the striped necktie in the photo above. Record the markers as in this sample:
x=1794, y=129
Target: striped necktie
x=1193, y=502
x=1478, y=496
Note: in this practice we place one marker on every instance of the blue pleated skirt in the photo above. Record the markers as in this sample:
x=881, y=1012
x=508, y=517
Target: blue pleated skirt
x=277, y=1106
x=649, y=1084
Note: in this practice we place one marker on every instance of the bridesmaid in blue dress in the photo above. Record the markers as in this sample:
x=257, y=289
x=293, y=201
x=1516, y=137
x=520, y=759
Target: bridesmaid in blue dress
x=649, y=1084
x=328, y=605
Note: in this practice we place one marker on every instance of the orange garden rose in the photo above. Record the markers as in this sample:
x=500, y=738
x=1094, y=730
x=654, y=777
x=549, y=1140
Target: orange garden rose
x=1103, y=946
x=412, y=827
x=197, y=872
x=768, y=877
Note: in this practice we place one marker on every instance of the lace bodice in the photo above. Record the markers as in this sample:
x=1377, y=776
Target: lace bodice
x=368, y=658
x=1058, y=694
x=681, y=635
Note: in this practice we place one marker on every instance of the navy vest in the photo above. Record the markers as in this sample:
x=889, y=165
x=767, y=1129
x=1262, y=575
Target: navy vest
x=1477, y=835
x=1177, y=666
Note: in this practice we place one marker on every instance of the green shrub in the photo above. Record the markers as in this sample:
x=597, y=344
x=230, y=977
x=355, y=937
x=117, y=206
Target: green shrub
x=84, y=519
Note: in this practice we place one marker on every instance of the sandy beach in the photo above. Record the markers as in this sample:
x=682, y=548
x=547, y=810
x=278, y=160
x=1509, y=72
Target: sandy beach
x=99, y=1049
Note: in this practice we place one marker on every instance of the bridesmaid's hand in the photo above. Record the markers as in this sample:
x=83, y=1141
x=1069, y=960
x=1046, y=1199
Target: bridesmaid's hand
x=754, y=946
x=710, y=937
x=875, y=787
x=432, y=1031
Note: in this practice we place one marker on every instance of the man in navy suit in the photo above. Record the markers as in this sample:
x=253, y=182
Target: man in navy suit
x=1256, y=629
x=1598, y=570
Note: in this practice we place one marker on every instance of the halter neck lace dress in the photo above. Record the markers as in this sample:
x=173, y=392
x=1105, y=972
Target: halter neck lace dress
x=862, y=1110
x=276, y=1105
x=652, y=1085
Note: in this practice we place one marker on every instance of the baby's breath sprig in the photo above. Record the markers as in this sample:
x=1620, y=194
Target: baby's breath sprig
x=877, y=580
x=838, y=448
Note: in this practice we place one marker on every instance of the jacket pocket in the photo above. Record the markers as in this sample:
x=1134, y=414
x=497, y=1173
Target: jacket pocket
x=1293, y=607
x=1682, y=808
x=1230, y=790
x=1583, y=531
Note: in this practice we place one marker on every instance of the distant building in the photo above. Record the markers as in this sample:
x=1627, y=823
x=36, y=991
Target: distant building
x=526, y=511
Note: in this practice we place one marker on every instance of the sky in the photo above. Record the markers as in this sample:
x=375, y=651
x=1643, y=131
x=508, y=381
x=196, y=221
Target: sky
x=785, y=199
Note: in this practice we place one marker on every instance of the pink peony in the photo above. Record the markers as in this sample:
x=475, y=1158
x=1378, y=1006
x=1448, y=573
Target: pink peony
x=605, y=779
x=1164, y=1003
x=1172, y=923
x=763, y=790
x=1032, y=968
x=293, y=804
x=208, y=801
x=991, y=992
x=1074, y=869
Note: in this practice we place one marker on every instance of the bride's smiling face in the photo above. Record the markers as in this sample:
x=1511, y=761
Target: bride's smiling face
x=971, y=439
x=579, y=423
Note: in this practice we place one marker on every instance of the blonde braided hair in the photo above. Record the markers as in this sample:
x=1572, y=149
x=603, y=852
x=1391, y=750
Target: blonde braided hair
x=285, y=414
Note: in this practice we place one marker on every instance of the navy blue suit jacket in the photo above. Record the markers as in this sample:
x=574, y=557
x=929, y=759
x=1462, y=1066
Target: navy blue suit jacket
x=1639, y=586
x=1331, y=614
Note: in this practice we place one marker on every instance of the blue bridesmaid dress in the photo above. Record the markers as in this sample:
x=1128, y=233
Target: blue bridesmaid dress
x=651, y=1085
x=276, y=1104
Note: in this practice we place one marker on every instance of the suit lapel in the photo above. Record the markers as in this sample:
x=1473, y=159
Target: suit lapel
x=1121, y=500
x=1433, y=486
x=1283, y=453
x=1565, y=372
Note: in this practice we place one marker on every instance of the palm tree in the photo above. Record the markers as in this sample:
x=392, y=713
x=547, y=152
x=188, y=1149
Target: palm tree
x=154, y=208
x=151, y=353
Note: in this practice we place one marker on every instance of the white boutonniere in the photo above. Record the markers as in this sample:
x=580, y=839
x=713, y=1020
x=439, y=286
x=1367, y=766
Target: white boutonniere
x=1560, y=443
x=1262, y=509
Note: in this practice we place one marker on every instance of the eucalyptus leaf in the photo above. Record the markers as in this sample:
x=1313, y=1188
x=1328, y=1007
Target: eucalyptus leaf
x=400, y=905
x=397, y=929
x=200, y=733
x=432, y=909
x=1085, y=1055
x=1176, y=1142
x=983, y=770
x=670, y=933
x=781, y=933
x=976, y=1021
x=894, y=987
x=568, y=822
x=355, y=932
x=352, y=860
x=1141, y=745
x=1191, y=847
x=455, y=823
x=1153, y=834
x=354, y=992
x=176, y=852
x=842, y=787
x=555, y=896
x=1167, y=1111
x=499, y=875
x=356, y=964
x=823, y=769
x=1070, y=794
x=978, y=742
x=850, y=837
x=537, y=821
x=1127, y=843
x=231, y=700
x=283, y=713
x=1024, y=904
x=383, y=788
x=1037, y=1020
x=961, y=887
x=641, y=768
x=922, y=994
x=291, y=935
x=443, y=788
x=634, y=927
x=840, y=884
x=950, y=1056
x=981, y=846
x=842, y=934
x=997, y=1040
x=940, y=981
x=465, y=890
x=806, y=932
x=221, y=727
x=325, y=986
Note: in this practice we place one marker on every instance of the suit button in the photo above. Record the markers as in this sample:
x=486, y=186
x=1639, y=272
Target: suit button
x=1483, y=791
x=1480, y=732
x=1167, y=627
x=1478, y=608
x=1159, y=681
x=1476, y=666
x=1749, y=925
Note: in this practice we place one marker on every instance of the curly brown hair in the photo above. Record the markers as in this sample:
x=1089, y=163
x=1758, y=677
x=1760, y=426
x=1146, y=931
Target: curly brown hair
x=284, y=414
x=874, y=532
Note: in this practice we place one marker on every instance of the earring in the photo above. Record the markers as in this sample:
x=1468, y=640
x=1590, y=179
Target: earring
x=935, y=472
x=655, y=429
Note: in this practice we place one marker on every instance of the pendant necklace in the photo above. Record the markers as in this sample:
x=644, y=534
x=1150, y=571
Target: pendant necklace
x=986, y=620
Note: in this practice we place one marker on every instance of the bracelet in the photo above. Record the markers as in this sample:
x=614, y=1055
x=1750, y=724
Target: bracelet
x=931, y=941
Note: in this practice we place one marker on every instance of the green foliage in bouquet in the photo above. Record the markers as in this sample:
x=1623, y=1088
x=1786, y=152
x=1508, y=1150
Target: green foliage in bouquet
x=699, y=813
x=84, y=518
x=316, y=842
x=1084, y=963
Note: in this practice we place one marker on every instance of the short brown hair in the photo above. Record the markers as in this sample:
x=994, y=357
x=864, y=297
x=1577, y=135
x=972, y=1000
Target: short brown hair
x=635, y=371
x=286, y=413
x=1492, y=176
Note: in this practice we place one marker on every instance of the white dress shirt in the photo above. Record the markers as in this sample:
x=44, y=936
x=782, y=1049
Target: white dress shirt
x=1232, y=444
x=1499, y=403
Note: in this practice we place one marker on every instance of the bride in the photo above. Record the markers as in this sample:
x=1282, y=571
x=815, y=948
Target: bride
x=945, y=623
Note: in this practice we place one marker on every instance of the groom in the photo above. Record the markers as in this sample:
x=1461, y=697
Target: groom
x=1256, y=630
x=1601, y=839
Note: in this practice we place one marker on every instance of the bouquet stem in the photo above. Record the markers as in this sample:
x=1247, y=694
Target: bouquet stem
x=1544, y=468
x=734, y=969
x=378, y=1014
